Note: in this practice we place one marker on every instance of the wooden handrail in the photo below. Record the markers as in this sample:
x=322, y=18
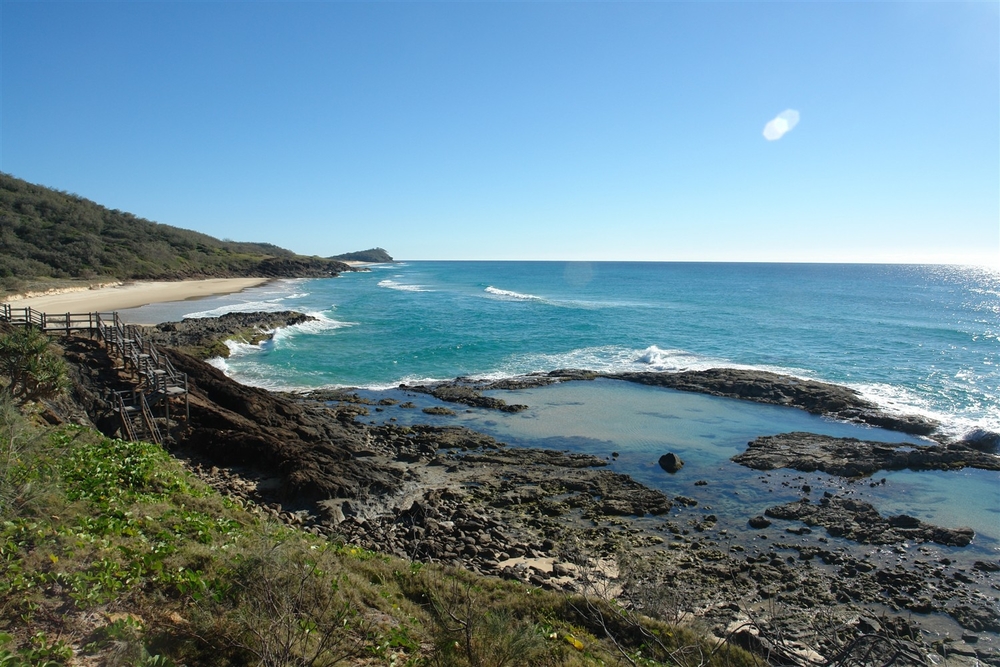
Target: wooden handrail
x=126, y=341
x=123, y=414
x=147, y=416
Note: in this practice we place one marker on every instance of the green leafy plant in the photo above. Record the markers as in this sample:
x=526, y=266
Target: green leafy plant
x=32, y=370
x=39, y=652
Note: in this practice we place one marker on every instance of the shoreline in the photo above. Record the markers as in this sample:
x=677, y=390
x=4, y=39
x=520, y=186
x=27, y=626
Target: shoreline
x=447, y=494
x=122, y=296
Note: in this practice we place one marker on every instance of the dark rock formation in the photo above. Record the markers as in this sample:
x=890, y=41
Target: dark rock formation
x=458, y=392
x=671, y=462
x=92, y=374
x=859, y=521
x=439, y=410
x=298, y=267
x=316, y=455
x=849, y=457
x=982, y=440
x=205, y=337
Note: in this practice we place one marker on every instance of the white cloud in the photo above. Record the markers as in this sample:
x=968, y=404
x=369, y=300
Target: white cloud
x=780, y=124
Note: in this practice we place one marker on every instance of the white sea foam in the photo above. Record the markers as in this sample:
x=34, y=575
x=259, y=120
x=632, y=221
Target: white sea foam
x=270, y=306
x=602, y=359
x=402, y=287
x=280, y=337
x=511, y=295
x=673, y=360
x=239, y=349
x=901, y=401
x=220, y=363
x=267, y=377
x=320, y=324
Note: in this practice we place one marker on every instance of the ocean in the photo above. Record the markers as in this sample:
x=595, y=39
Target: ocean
x=914, y=339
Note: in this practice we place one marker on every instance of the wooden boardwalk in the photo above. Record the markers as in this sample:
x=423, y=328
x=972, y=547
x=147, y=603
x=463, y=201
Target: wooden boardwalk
x=155, y=380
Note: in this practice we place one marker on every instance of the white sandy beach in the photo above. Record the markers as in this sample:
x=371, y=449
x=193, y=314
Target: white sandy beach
x=132, y=295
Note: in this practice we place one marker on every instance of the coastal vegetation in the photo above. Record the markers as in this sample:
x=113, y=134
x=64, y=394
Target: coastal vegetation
x=31, y=370
x=48, y=236
x=374, y=255
x=113, y=552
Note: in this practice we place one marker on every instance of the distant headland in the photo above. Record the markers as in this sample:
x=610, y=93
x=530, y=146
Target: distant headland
x=373, y=255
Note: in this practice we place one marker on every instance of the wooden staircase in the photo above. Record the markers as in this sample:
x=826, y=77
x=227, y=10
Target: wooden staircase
x=156, y=383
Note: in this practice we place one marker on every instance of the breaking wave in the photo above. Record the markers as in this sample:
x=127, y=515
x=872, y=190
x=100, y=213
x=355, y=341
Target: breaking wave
x=402, y=287
x=319, y=325
x=511, y=295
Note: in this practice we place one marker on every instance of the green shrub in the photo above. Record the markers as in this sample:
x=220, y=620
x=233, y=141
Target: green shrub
x=285, y=607
x=29, y=368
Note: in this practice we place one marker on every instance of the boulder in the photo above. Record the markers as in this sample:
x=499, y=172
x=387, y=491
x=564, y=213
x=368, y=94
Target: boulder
x=671, y=462
x=982, y=440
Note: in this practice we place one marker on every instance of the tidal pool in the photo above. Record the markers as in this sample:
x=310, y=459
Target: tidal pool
x=640, y=423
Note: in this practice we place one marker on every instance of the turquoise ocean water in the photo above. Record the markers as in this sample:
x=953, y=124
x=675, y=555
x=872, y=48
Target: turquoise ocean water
x=912, y=338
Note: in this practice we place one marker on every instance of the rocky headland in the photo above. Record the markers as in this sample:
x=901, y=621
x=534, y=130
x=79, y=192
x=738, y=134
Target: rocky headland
x=566, y=521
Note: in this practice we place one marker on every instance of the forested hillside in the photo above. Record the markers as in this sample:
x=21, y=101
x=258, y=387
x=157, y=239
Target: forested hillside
x=378, y=255
x=45, y=233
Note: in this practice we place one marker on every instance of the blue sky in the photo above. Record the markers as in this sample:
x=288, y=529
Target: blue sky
x=597, y=131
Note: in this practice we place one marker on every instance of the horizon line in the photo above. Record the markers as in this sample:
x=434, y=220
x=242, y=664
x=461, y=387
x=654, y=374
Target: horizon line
x=994, y=267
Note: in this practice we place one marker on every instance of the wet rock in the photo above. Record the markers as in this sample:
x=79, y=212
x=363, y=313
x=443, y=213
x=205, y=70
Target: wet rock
x=671, y=462
x=860, y=521
x=850, y=457
x=205, y=337
x=982, y=440
x=459, y=392
x=439, y=410
x=759, y=522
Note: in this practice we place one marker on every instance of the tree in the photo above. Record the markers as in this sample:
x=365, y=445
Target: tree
x=31, y=369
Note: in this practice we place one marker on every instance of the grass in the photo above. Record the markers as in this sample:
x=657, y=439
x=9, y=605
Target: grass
x=111, y=553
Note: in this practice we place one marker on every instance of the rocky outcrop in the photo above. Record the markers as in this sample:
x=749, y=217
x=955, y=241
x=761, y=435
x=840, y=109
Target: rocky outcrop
x=849, y=457
x=205, y=337
x=298, y=267
x=982, y=440
x=459, y=392
x=316, y=455
x=860, y=522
